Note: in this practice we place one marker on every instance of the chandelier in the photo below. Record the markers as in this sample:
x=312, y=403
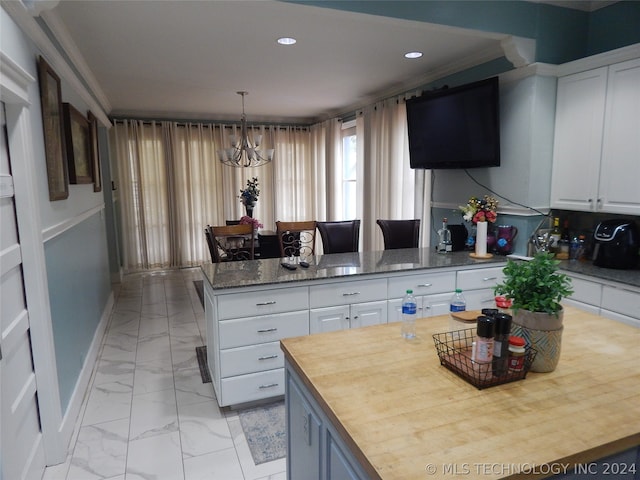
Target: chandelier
x=244, y=153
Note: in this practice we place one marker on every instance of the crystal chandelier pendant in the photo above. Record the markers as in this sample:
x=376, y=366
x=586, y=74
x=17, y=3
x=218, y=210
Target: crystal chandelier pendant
x=243, y=152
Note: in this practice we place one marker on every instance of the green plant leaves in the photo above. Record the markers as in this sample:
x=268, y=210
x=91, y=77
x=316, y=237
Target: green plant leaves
x=535, y=285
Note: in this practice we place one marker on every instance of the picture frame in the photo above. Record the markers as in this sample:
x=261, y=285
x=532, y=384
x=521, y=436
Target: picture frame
x=53, y=130
x=95, y=151
x=78, y=148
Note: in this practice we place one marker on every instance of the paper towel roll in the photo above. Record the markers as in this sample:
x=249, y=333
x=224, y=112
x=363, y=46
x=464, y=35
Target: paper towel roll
x=481, y=239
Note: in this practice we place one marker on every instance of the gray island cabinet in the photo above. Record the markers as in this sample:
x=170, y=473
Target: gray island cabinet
x=250, y=306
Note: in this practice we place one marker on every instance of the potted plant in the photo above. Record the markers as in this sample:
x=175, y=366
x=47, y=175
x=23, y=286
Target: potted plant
x=535, y=289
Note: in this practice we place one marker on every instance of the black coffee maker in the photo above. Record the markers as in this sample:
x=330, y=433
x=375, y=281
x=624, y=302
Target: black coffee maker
x=616, y=244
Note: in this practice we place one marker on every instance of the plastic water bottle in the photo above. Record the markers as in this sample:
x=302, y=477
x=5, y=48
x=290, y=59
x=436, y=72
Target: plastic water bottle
x=458, y=303
x=409, y=315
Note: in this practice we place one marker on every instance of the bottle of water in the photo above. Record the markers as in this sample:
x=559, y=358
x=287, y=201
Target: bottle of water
x=458, y=303
x=409, y=314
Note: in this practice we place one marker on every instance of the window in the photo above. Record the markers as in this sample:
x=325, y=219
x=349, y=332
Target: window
x=349, y=163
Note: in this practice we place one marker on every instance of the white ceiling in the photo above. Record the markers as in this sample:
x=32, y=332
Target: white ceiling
x=187, y=59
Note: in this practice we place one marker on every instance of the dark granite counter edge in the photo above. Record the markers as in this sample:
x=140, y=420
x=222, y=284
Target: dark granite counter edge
x=269, y=272
x=625, y=277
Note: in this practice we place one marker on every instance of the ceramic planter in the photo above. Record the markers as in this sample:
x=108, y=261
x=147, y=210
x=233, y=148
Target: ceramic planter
x=543, y=332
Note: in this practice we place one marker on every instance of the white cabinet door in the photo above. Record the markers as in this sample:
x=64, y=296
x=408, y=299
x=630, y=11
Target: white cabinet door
x=577, y=146
x=619, y=190
x=328, y=319
x=365, y=314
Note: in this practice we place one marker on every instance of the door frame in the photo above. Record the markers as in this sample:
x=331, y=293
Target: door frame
x=15, y=83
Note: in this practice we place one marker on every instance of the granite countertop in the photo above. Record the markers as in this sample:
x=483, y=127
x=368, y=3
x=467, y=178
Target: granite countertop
x=627, y=277
x=269, y=271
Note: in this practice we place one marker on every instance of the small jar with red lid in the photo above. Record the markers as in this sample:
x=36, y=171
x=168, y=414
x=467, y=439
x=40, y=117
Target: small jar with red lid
x=503, y=303
x=516, y=354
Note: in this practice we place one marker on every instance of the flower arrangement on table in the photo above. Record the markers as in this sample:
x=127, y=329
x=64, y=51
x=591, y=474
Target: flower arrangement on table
x=480, y=210
x=249, y=195
x=247, y=220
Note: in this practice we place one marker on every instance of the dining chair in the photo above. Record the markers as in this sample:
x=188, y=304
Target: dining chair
x=208, y=234
x=296, y=238
x=232, y=242
x=400, y=233
x=340, y=237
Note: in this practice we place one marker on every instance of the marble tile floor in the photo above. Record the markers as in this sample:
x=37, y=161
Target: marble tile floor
x=147, y=414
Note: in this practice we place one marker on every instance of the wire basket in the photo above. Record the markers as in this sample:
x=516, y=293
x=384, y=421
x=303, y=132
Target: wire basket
x=455, y=349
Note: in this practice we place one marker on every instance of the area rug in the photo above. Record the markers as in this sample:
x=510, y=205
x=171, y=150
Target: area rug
x=201, y=355
x=199, y=286
x=264, y=429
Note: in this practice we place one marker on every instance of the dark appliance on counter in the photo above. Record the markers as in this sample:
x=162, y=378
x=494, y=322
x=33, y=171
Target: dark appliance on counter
x=616, y=244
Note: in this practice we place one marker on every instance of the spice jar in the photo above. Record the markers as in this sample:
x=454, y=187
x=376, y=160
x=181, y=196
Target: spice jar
x=504, y=304
x=516, y=354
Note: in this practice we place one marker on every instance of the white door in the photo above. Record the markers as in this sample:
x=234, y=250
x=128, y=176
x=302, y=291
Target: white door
x=21, y=443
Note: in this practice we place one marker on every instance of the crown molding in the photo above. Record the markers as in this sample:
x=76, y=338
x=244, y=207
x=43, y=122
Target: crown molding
x=15, y=80
x=600, y=60
x=60, y=31
x=23, y=18
x=519, y=51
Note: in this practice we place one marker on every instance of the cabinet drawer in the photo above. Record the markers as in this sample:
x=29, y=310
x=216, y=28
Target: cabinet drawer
x=255, y=358
x=481, y=278
x=622, y=301
x=264, y=302
x=267, y=328
x=424, y=284
x=344, y=293
x=254, y=386
x=586, y=292
x=479, y=299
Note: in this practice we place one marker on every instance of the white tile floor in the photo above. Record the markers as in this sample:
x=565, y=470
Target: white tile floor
x=147, y=414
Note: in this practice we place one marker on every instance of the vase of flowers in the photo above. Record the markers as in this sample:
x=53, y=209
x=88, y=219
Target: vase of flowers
x=247, y=220
x=480, y=212
x=249, y=195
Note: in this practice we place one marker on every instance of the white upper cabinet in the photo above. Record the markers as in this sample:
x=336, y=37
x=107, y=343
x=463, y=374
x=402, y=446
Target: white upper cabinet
x=596, y=162
x=619, y=188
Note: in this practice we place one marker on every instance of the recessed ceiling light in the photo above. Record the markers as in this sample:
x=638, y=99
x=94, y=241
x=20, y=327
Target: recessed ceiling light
x=413, y=54
x=287, y=41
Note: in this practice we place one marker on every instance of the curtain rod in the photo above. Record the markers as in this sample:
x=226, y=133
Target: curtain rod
x=208, y=124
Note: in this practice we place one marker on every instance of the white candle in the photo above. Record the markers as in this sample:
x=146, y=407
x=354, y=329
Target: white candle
x=481, y=239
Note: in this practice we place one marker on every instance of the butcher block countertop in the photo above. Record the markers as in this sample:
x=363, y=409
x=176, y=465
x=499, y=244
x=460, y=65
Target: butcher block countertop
x=404, y=416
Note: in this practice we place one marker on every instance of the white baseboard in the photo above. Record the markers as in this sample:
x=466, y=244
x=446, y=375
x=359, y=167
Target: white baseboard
x=68, y=429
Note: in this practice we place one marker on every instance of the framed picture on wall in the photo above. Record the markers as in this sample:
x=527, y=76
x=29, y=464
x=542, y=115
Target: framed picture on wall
x=76, y=133
x=95, y=151
x=53, y=129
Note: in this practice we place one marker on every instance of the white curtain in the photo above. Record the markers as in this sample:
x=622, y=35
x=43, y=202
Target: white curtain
x=390, y=188
x=171, y=185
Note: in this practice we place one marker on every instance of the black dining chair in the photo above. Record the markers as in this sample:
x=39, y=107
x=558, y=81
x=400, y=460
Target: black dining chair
x=340, y=237
x=400, y=233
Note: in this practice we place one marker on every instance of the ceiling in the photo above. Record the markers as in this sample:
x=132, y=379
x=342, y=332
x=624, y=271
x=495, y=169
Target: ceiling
x=185, y=59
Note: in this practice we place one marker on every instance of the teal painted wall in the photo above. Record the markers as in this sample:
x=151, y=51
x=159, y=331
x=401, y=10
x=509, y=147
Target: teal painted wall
x=562, y=34
x=614, y=27
x=79, y=289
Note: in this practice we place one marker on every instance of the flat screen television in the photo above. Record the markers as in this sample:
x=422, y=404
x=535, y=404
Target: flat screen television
x=455, y=127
